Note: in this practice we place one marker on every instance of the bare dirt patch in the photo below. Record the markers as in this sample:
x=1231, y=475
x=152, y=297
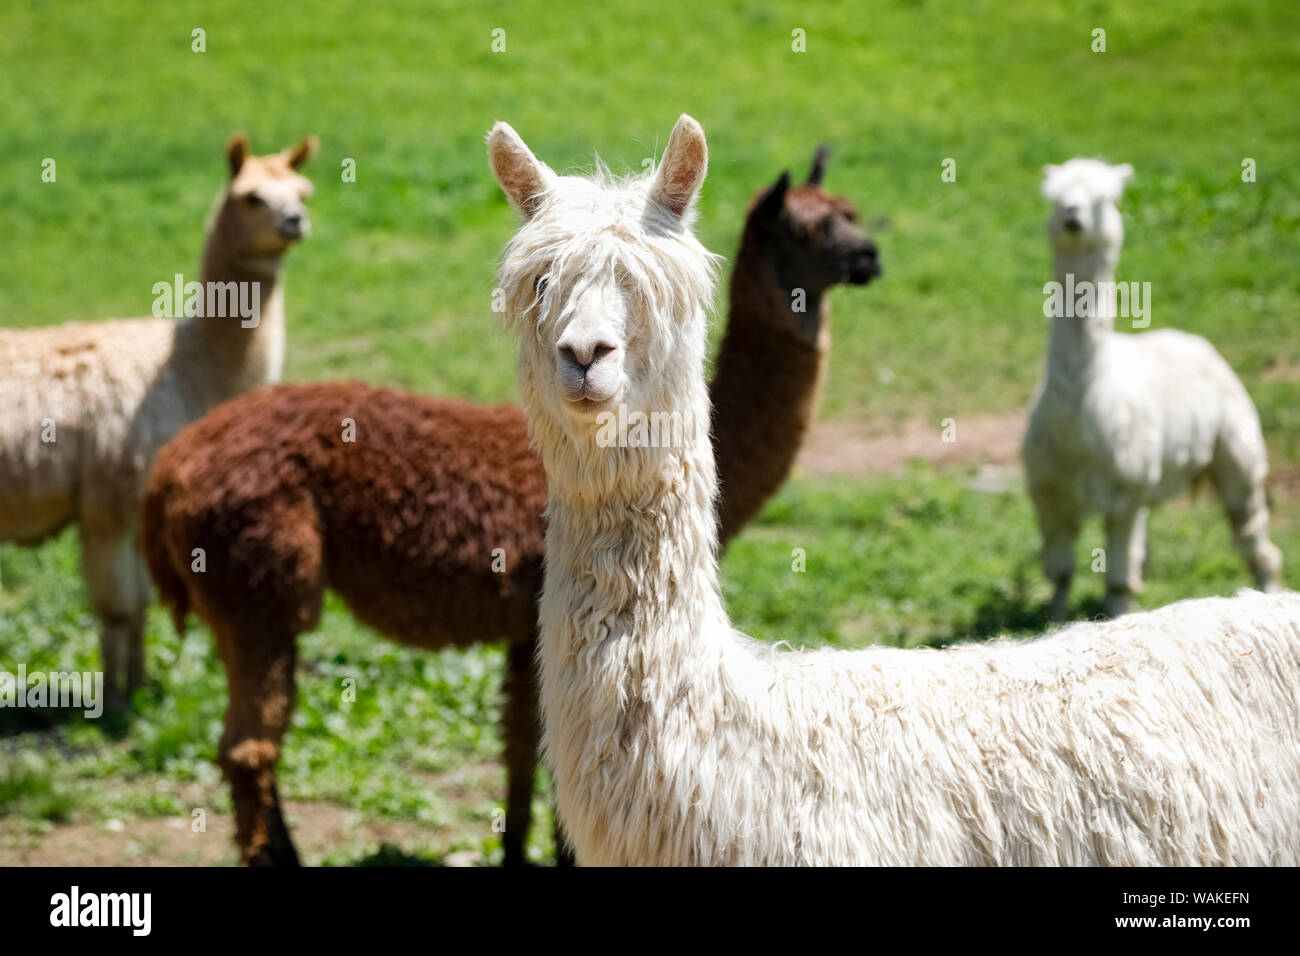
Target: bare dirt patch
x=989, y=442
x=1284, y=482
x=1282, y=370
x=861, y=448
x=319, y=829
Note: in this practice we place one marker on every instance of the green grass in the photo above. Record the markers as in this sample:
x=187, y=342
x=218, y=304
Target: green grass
x=915, y=559
x=395, y=286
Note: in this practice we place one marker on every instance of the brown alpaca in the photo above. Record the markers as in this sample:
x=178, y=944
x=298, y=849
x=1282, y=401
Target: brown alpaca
x=405, y=521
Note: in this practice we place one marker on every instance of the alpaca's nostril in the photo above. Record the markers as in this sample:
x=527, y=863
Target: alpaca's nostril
x=292, y=225
x=1072, y=225
x=569, y=357
x=863, y=264
x=585, y=356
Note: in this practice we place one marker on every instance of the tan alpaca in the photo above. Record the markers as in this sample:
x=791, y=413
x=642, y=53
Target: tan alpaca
x=84, y=406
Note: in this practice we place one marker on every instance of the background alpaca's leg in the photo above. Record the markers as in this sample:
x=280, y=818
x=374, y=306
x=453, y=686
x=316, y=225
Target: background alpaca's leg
x=523, y=737
x=1236, y=476
x=263, y=693
x=119, y=592
x=1126, y=535
x=564, y=855
x=1059, y=527
x=523, y=734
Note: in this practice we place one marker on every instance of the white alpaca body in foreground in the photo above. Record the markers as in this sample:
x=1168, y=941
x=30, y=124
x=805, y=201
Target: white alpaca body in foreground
x=1170, y=738
x=84, y=407
x=1165, y=738
x=1122, y=421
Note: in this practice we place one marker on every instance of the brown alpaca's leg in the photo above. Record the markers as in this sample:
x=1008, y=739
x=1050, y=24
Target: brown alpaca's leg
x=563, y=849
x=263, y=692
x=523, y=733
x=522, y=729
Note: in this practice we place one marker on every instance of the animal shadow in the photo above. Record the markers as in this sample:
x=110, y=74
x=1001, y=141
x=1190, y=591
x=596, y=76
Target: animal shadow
x=389, y=855
x=1011, y=611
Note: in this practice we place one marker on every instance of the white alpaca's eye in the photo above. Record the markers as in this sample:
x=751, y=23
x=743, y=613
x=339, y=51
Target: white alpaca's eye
x=539, y=286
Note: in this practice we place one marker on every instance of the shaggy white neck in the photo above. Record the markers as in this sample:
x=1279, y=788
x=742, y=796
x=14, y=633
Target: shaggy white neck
x=631, y=544
x=1077, y=335
x=630, y=609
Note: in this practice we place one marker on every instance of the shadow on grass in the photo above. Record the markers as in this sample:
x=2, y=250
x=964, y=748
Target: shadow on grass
x=1012, y=612
x=16, y=721
x=389, y=855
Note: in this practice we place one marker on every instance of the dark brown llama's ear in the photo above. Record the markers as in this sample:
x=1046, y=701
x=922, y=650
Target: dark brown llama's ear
x=236, y=153
x=772, y=200
x=819, y=166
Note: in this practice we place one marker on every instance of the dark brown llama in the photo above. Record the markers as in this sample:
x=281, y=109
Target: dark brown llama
x=798, y=243
x=405, y=521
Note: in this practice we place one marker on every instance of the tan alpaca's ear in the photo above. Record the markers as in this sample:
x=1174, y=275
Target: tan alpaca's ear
x=303, y=151
x=684, y=166
x=523, y=176
x=236, y=153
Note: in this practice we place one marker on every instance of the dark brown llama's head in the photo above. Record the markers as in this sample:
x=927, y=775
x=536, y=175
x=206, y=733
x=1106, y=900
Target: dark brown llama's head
x=811, y=239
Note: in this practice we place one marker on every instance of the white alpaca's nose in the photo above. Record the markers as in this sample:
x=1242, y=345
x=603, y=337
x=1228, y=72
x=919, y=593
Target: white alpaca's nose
x=589, y=367
x=585, y=354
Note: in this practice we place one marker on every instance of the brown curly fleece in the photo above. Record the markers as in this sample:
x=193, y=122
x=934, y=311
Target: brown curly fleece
x=403, y=521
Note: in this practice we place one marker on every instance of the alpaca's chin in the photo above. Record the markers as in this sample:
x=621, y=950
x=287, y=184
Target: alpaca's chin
x=585, y=408
x=585, y=405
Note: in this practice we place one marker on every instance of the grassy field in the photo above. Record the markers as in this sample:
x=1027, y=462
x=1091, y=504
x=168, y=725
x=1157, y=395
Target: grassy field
x=394, y=286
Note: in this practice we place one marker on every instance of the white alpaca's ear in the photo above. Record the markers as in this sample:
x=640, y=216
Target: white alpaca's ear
x=681, y=173
x=1123, y=173
x=1049, y=174
x=523, y=176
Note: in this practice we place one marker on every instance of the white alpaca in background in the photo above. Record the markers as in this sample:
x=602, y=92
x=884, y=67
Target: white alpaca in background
x=1167, y=738
x=1122, y=422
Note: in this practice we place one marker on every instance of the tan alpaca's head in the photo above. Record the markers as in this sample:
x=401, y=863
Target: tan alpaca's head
x=262, y=213
x=1083, y=194
x=812, y=240
x=605, y=280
